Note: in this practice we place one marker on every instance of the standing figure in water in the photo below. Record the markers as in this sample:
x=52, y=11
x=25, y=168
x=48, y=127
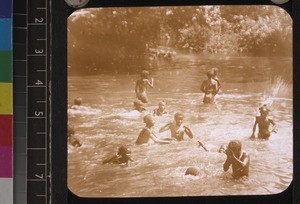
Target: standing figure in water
x=210, y=88
x=177, y=128
x=236, y=158
x=263, y=123
x=147, y=132
x=141, y=86
x=161, y=110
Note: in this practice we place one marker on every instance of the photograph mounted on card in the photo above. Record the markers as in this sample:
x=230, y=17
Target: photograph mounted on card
x=180, y=101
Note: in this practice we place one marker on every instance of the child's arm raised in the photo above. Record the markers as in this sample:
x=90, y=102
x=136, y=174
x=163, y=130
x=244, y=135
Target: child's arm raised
x=165, y=128
x=240, y=162
x=274, y=128
x=151, y=83
x=253, y=130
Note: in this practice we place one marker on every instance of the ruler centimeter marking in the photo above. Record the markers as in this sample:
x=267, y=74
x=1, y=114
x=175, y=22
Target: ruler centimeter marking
x=37, y=94
x=30, y=62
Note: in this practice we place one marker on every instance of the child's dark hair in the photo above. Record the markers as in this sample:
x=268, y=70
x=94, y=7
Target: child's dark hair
x=235, y=145
x=144, y=74
x=178, y=115
x=210, y=74
x=264, y=109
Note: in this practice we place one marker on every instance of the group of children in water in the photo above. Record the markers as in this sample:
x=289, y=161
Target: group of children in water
x=238, y=159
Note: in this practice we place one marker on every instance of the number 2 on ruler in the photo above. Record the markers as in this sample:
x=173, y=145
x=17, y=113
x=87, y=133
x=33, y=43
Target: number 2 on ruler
x=39, y=176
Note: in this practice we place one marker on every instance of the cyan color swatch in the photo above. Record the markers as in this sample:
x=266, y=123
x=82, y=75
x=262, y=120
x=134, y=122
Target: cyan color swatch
x=6, y=34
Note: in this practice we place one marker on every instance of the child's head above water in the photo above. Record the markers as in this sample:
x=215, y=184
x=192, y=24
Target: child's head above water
x=78, y=101
x=178, y=118
x=122, y=151
x=144, y=74
x=138, y=105
x=162, y=105
x=148, y=119
x=264, y=110
x=235, y=146
x=215, y=71
x=178, y=115
x=210, y=73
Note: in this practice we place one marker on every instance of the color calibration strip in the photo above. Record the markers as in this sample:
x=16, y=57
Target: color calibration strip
x=6, y=103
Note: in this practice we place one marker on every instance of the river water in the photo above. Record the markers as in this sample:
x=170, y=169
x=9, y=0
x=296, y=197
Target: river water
x=106, y=121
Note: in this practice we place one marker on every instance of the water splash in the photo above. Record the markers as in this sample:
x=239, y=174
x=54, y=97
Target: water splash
x=276, y=90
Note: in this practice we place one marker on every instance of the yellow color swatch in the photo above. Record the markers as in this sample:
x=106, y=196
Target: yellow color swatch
x=6, y=98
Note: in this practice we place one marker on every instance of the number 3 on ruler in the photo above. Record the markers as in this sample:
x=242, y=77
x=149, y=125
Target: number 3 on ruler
x=41, y=51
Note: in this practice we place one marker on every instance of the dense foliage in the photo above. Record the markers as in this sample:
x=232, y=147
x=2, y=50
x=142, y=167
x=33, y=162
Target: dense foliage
x=122, y=39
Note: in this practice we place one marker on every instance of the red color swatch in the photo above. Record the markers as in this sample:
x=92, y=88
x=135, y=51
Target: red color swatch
x=6, y=130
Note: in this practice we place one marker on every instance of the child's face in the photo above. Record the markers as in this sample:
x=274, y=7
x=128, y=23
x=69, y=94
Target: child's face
x=150, y=122
x=235, y=151
x=144, y=76
x=161, y=106
x=179, y=120
x=264, y=114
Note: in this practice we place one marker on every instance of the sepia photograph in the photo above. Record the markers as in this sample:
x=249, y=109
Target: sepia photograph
x=180, y=101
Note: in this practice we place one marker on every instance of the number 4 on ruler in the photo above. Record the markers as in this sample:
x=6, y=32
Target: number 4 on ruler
x=38, y=82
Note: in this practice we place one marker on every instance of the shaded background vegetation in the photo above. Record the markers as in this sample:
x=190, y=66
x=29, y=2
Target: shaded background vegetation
x=119, y=40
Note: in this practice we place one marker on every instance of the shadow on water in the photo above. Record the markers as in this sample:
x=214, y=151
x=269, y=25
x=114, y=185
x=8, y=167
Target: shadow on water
x=101, y=128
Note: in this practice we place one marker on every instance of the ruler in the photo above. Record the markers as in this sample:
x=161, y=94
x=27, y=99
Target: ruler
x=31, y=105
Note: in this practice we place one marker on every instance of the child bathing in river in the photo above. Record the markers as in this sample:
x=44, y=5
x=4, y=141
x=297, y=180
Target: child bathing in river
x=161, y=110
x=237, y=159
x=147, y=132
x=141, y=86
x=177, y=128
x=263, y=123
x=210, y=88
x=122, y=156
x=76, y=103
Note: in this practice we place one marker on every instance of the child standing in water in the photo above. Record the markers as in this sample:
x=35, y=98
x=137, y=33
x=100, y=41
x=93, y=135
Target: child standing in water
x=147, y=132
x=141, y=86
x=210, y=88
x=236, y=158
x=177, y=128
x=263, y=123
